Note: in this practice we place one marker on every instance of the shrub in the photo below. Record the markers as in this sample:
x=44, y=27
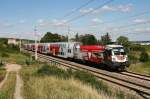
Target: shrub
x=144, y=57
x=1, y=63
x=4, y=54
x=28, y=61
x=136, y=47
x=53, y=71
x=132, y=59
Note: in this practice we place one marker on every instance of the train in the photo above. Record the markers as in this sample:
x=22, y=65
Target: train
x=111, y=56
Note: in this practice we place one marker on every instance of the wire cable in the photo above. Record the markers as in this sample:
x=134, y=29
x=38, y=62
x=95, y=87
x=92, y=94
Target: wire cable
x=75, y=18
x=70, y=13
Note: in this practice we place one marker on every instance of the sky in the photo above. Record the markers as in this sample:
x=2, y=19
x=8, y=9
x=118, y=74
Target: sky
x=131, y=18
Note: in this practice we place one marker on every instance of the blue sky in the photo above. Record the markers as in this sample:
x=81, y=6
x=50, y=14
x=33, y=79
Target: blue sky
x=19, y=17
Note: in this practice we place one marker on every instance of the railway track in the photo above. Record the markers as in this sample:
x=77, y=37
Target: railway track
x=138, y=83
x=136, y=75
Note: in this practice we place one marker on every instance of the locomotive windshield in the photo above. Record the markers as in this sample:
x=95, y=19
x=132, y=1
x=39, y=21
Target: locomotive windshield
x=118, y=51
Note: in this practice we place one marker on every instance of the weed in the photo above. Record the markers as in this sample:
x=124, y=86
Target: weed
x=8, y=89
x=53, y=71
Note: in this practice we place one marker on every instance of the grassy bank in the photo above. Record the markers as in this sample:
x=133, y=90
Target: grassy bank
x=8, y=89
x=49, y=82
x=2, y=74
x=143, y=68
x=134, y=58
x=11, y=54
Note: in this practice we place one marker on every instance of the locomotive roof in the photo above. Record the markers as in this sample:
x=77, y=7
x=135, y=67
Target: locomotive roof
x=112, y=46
x=92, y=48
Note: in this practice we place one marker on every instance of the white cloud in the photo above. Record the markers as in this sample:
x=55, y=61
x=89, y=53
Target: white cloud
x=86, y=10
x=107, y=8
x=6, y=25
x=139, y=21
x=142, y=30
x=21, y=21
x=40, y=20
x=59, y=23
x=96, y=21
x=125, y=8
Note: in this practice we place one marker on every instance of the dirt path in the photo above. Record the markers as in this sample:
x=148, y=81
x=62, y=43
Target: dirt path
x=19, y=82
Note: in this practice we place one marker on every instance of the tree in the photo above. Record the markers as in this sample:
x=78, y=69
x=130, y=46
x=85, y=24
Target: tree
x=106, y=39
x=50, y=37
x=123, y=41
x=77, y=37
x=88, y=39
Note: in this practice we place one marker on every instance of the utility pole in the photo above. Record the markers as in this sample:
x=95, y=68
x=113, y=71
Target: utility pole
x=35, y=32
x=20, y=44
x=68, y=32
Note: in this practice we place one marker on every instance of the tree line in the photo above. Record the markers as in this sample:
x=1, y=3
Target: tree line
x=86, y=39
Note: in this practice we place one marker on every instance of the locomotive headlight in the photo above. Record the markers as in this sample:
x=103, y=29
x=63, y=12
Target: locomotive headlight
x=113, y=59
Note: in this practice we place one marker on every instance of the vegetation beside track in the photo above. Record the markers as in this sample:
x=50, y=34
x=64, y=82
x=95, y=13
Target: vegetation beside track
x=11, y=54
x=135, y=56
x=2, y=73
x=44, y=81
x=8, y=89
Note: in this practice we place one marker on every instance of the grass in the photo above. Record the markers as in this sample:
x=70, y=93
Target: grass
x=8, y=89
x=143, y=68
x=54, y=88
x=11, y=54
x=49, y=82
x=136, y=65
x=2, y=74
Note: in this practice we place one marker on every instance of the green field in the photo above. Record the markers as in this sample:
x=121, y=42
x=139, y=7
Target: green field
x=136, y=65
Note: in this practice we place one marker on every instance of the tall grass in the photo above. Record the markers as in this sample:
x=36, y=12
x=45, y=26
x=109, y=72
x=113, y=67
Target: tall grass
x=54, y=88
x=44, y=75
x=2, y=74
x=8, y=89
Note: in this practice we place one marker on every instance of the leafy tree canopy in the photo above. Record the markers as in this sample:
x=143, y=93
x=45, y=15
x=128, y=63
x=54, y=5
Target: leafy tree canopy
x=51, y=37
x=106, y=39
x=123, y=41
x=88, y=39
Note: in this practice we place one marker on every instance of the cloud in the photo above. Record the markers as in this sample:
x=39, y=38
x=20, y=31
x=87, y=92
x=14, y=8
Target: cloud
x=86, y=10
x=42, y=23
x=139, y=21
x=6, y=25
x=21, y=21
x=97, y=20
x=59, y=23
x=107, y=8
x=51, y=23
x=142, y=30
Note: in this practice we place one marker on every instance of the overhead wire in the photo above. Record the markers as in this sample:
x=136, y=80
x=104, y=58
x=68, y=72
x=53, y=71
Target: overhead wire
x=96, y=8
x=70, y=13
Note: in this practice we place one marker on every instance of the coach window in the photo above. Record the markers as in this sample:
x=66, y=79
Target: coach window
x=69, y=50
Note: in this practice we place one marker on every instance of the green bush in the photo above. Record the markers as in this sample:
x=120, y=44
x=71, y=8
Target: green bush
x=4, y=54
x=53, y=71
x=136, y=47
x=144, y=57
x=1, y=63
x=132, y=59
x=28, y=61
